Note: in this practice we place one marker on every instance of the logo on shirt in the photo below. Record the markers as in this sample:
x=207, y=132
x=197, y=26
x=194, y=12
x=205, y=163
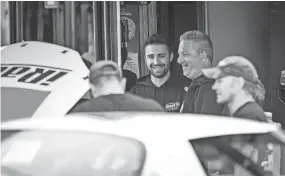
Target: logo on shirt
x=172, y=106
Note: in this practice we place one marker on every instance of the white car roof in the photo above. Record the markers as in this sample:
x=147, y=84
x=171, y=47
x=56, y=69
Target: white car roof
x=41, y=74
x=137, y=125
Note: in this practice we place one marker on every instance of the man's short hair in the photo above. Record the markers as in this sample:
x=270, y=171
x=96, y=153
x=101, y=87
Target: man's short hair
x=202, y=40
x=157, y=39
x=103, y=71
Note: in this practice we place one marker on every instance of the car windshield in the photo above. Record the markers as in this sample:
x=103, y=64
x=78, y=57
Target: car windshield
x=43, y=153
x=241, y=155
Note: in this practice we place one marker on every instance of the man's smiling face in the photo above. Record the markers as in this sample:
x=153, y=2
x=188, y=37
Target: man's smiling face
x=189, y=59
x=158, y=58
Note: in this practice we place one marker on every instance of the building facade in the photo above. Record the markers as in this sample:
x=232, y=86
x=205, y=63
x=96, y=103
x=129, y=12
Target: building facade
x=251, y=29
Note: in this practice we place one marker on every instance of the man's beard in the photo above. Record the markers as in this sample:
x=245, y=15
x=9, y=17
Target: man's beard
x=160, y=74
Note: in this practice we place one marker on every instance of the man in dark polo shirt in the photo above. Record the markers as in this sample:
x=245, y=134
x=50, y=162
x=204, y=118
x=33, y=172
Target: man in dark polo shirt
x=195, y=53
x=236, y=81
x=160, y=84
x=108, y=92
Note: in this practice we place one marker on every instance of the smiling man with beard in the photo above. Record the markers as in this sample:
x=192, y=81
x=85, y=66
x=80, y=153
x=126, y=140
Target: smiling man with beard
x=196, y=53
x=159, y=84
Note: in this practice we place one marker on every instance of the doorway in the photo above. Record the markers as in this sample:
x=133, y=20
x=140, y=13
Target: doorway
x=175, y=18
x=277, y=58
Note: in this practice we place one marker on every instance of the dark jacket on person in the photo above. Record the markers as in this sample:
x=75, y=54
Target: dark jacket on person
x=131, y=79
x=201, y=98
x=170, y=95
x=118, y=102
x=250, y=110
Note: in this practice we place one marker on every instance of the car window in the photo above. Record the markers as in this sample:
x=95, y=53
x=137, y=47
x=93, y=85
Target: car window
x=241, y=155
x=70, y=153
x=16, y=98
